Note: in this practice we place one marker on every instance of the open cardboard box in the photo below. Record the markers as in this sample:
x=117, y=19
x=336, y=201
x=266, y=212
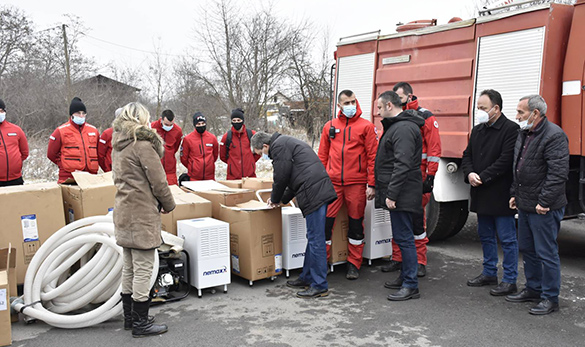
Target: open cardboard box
x=188, y=206
x=88, y=195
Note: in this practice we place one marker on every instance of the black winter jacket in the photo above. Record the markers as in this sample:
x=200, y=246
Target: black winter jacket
x=542, y=177
x=490, y=154
x=398, y=175
x=299, y=172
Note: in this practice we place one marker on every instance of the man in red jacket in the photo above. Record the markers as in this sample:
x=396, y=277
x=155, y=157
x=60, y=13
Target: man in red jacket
x=348, y=152
x=73, y=145
x=234, y=149
x=105, y=147
x=13, y=150
x=199, y=151
x=172, y=135
x=429, y=166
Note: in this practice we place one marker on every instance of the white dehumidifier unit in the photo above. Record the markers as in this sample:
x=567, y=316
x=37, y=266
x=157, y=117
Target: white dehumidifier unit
x=207, y=242
x=294, y=236
x=377, y=233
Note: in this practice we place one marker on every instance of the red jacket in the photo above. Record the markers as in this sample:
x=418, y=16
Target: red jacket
x=431, y=152
x=13, y=151
x=172, y=141
x=349, y=157
x=241, y=161
x=74, y=148
x=199, y=153
x=105, y=150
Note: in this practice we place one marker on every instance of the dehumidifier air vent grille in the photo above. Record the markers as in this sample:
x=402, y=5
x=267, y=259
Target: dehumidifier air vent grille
x=381, y=216
x=214, y=241
x=298, y=229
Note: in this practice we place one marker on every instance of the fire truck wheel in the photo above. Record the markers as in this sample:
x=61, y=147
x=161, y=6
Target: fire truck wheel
x=445, y=219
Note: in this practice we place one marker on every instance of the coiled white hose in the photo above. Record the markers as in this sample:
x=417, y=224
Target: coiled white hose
x=50, y=292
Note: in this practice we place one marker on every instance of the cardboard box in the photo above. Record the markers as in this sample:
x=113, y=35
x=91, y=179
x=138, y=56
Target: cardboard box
x=189, y=206
x=255, y=184
x=226, y=196
x=30, y=215
x=255, y=239
x=7, y=290
x=339, y=237
x=231, y=183
x=89, y=195
x=7, y=285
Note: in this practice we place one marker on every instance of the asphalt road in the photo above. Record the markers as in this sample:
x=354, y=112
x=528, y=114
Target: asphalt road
x=449, y=313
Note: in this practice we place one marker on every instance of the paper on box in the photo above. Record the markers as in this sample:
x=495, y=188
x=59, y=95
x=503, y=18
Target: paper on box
x=225, y=196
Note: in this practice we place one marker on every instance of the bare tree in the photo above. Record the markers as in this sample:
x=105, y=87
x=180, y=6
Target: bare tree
x=15, y=34
x=158, y=77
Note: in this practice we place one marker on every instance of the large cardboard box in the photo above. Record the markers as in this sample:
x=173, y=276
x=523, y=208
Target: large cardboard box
x=30, y=214
x=339, y=237
x=255, y=184
x=225, y=196
x=255, y=239
x=7, y=289
x=88, y=195
x=189, y=206
x=231, y=183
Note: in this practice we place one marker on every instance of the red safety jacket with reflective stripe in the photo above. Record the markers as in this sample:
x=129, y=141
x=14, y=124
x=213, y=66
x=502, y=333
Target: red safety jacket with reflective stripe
x=350, y=156
x=105, y=150
x=172, y=140
x=199, y=153
x=241, y=161
x=74, y=148
x=431, y=151
x=13, y=151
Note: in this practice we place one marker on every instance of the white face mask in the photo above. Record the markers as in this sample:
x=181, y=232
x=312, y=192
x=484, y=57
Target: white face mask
x=482, y=116
x=2, y=117
x=167, y=127
x=524, y=125
x=78, y=120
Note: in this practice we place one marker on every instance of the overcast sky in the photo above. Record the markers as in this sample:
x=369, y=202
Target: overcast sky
x=137, y=24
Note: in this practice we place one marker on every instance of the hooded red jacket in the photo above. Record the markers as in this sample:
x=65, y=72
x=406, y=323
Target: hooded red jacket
x=431, y=152
x=349, y=158
x=241, y=161
x=105, y=150
x=199, y=153
x=172, y=139
x=13, y=151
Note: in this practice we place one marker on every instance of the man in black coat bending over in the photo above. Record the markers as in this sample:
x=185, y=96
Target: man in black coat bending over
x=299, y=172
x=399, y=185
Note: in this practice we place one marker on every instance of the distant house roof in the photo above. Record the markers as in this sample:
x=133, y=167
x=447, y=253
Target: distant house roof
x=103, y=81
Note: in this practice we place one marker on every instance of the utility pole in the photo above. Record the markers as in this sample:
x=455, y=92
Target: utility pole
x=67, y=68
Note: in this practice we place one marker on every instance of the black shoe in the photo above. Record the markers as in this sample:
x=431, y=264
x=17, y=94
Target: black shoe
x=422, y=271
x=392, y=266
x=504, y=288
x=544, y=307
x=127, y=306
x=404, y=294
x=396, y=284
x=352, y=272
x=141, y=326
x=524, y=296
x=312, y=292
x=298, y=283
x=482, y=280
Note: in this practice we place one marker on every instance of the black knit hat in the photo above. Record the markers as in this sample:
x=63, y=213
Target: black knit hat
x=199, y=117
x=76, y=106
x=238, y=113
x=2, y=104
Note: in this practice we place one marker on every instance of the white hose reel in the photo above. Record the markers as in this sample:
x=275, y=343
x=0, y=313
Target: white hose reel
x=50, y=292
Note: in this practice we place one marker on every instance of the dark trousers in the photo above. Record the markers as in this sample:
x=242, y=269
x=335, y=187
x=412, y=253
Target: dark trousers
x=537, y=241
x=17, y=182
x=315, y=265
x=402, y=233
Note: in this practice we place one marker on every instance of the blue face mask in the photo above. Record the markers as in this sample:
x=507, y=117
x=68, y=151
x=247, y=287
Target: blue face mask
x=167, y=127
x=78, y=120
x=349, y=111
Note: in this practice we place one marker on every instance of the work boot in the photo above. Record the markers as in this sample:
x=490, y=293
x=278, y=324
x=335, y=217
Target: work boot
x=352, y=272
x=141, y=326
x=392, y=266
x=127, y=306
x=421, y=271
x=396, y=284
x=312, y=292
x=298, y=283
x=404, y=294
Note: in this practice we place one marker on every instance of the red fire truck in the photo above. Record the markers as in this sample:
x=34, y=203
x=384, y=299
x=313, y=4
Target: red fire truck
x=521, y=49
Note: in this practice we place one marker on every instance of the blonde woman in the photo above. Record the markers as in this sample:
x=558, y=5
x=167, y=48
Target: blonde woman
x=142, y=194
